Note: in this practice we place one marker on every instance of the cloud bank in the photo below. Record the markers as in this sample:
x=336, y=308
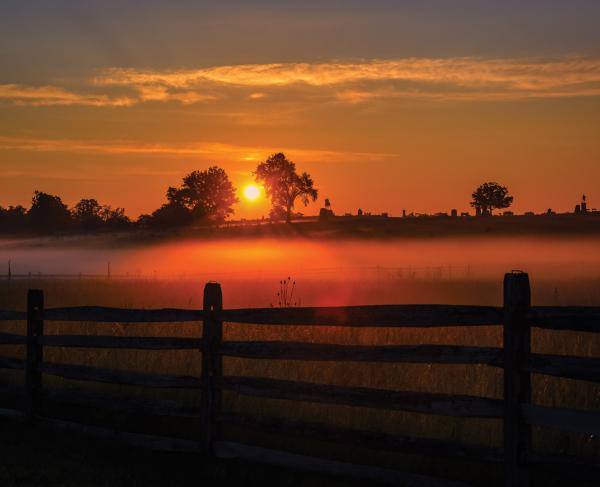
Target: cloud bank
x=437, y=79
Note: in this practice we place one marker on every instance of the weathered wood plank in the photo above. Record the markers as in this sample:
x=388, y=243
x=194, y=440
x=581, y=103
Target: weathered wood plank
x=580, y=368
x=575, y=318
x=577, y=421
x=34, y=351
x=367, y=316
x=365, y=439
x=11, y=339
x=419, y=402
x=135, y=405
x=112, y=315
x=370, y=316
x=12, y=363
x=331, y=467
x=558, y=318
x=120, y=342
x=212, y=365
x=151, y=442
x=517, y=381
x=441, y=354
x=8, y=315
x=96, y=374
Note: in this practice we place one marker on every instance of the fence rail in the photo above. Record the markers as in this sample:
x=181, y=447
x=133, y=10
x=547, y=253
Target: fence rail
x=517, y=317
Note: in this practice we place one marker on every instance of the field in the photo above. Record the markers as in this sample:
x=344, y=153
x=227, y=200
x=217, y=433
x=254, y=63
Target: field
x=387, y=287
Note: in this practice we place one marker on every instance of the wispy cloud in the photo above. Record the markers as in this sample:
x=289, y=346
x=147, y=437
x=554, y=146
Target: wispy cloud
x=52, y=95
x=452, y=78
x=212, y=150
x=436, y=79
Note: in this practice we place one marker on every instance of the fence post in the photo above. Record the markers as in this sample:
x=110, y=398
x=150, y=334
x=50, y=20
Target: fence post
x=212, y=364
x=517, y=381
x=35, y=351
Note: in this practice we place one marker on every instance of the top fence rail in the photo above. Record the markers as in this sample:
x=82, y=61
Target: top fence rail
x=427, y=316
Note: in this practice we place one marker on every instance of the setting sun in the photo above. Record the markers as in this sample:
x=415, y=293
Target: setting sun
x=251, y=192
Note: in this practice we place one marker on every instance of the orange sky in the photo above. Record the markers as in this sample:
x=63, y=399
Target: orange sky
x=90, y=106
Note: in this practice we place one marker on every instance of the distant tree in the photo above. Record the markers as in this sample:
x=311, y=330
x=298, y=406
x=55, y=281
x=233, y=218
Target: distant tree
x=490, y=196
x=13, y=219
x=87, y=214
x=48, y=213
x=284, y=185
x=114, y=219
x=168, y=215
x=327, y=204
x=144, y=221
x=207, y=195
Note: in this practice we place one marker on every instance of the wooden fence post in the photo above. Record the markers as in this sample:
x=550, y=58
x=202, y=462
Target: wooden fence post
x=35, y=351
x=212, y=364
x=517, y=381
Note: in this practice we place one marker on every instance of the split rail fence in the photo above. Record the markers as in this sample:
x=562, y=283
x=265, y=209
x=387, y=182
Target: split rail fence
x=516, y=410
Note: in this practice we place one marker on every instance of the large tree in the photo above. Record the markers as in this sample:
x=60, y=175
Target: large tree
x=48, y=213
x=490, y=196
x=284, y=185
x=207, y=195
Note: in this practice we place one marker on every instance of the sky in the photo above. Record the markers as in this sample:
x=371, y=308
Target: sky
x=389, y=105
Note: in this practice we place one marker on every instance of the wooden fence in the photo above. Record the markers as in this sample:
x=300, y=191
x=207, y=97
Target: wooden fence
x=517, y=317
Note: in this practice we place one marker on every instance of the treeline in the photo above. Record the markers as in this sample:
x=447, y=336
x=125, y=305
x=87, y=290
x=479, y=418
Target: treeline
x=204, y=197
x=48, y=214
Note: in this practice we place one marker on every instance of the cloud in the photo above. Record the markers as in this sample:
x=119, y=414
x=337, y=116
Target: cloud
x=52, y=95
x=434, y=78
x=213, y=150
x=163, y=93
x=256, y=96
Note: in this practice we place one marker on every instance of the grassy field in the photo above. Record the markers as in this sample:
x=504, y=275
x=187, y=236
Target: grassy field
x=474, y=380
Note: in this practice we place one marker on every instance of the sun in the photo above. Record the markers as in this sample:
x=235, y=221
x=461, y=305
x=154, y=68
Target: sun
x=252, y=192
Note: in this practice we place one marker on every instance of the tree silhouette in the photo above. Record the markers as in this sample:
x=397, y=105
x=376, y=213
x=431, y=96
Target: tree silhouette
x=284, y=185
x=490, y=196
x=207, y=195
x=87, y=214
x=48, y=213
x=114, y=219
x=167, y=216
x=13, y=218
x=90, y=215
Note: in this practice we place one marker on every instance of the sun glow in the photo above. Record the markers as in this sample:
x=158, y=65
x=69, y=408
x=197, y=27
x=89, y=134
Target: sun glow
x=252, y=192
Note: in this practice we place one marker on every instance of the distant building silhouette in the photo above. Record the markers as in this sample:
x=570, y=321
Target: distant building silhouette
x=582, y=207
x=325, y=214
